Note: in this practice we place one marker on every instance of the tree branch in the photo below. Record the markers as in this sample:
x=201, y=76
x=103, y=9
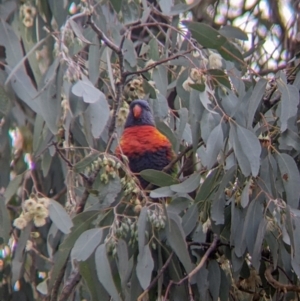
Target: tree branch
x=71, y=282
x=278, y=285
x=212, y=247
x=151, y=66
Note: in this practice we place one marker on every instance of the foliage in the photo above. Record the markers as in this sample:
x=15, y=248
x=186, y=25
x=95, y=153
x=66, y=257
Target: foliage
x=74, y=223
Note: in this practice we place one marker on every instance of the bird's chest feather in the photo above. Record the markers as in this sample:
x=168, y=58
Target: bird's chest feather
x=146, y=148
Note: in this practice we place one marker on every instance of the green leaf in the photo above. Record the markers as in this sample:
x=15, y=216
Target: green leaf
x=141, y=226
x=214, y=279
x=224, y=286
x=161, y=192
x=85, y=162
x=5, y=224
x=256, y=255
x=78, y=31
x=104, y=272
x=153, y=51
x=89, y=274
x=82, y=222
x=190, y=219
x=237, y=226
x=23, y=87
x=247, y=149
x=218, y=203
x=245, y=195
x=208, y=186
x=180, y=8
x=7, y=8
x=165, y=6
x=98, y=113
x=11, y=43
x=188, y=185
x=202, y=283
x=77, y=105
x=220, y=77
x=46, y=163
x=183, y=121
x=160, y=77
x=5, y=103
x=144, y=267
x=12, y=187
x=253, y=218
x=116, y=4
x=290, y=177
x=18, y=258
x=211, y=38
x=129, y=53
x=123, y=261
x=85, y=245
x=42, y=287
x=85, y=88
x=60, y=217
x=295, y=252
x=255, y=100
x=158, y=178
x=213, y=146
x=233, y=32
x=176, y=239
x=94, y=60
x=289, y=101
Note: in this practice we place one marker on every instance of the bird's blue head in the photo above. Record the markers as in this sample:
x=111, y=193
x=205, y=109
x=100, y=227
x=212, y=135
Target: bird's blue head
x=139, y=114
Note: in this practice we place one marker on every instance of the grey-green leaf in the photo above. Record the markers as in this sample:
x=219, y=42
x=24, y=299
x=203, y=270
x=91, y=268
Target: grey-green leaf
x=213, y=146
x=290, y=177
x=289, y=102
x=86, y=244
x=255, y=100
x=144, y=267
x=104, y=272
x=176, y=239
x=60, y=217
x=85, y=88
x=188, y=185
x=158, y=178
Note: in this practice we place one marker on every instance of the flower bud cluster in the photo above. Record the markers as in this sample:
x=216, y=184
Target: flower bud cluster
x=157, y=219
x=121, y=229
x=27, y=14
x=130, y=186
x=134, y=89
x=34, y=209
x=122, y=114
x=196, y=77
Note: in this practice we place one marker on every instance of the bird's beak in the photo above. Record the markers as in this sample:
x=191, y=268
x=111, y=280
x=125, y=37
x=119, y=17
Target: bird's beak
x=137, y=110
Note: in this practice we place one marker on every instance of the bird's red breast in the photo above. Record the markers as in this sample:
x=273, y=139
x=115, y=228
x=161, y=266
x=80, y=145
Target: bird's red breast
x=141, y=139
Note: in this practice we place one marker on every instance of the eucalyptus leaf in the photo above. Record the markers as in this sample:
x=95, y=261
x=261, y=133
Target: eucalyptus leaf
x=188, y=185
x=60, y=217
x=144, y=267
x=157, y=177
x=290, y=177
x=86, y=244
x=104, y=272
x=176, y=239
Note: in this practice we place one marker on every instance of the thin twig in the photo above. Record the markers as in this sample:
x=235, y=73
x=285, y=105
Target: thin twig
x=120, y=84
x=151, y=66
x=212, y=247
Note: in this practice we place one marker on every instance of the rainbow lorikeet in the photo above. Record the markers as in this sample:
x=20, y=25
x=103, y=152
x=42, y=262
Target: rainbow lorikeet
x=144, y=146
